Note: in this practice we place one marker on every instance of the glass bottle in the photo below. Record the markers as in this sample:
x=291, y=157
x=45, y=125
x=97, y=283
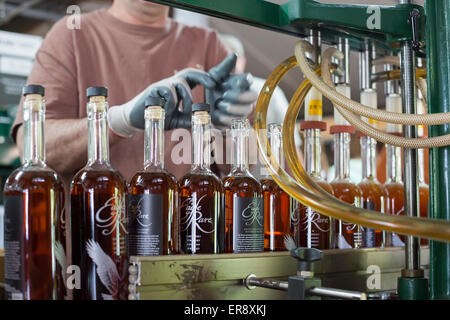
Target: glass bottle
x=35, y=258
x=393, y=187
x=97, y=215
x=424, y=190
x=372, y=196
x=315, y=229
x=202, y=221
x=244, y=216
x=153, y=194
x=371, y=190
x=277, y=203
x=348, y=235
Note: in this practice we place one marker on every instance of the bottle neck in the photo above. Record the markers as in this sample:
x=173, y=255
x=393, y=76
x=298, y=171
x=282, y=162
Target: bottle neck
x=342, y=155
x=240, y=152
x=154, y=144
x=312, y=152
x=201, y=138
x=276, y=148
x=368, y=151
x=98, y=142
x=394, y=164
x=421, y=165
x=34, y=115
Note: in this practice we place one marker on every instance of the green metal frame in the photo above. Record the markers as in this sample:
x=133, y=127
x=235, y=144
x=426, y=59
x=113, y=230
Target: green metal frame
x=438, y=75
x=296, y=17
x=220, y=276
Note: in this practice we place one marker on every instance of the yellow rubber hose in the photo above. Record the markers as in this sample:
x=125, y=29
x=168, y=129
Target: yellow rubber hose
x=307, y=192
x=357, y=108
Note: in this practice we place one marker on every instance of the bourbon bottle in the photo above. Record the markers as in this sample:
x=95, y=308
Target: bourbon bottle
x=202, y=221
x=372, y=191
x=314, y=229
x=35, y=258
x=393, y=187
x=347, y=235
x=424, y=190
x=152, y=194
x=97, y=215
x=277, y=203
x=244, y=216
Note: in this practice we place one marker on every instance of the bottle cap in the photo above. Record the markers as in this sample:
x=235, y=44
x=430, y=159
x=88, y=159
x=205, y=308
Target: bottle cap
x=200, y=107
x=97, y=91
x=154, y=101
x=33, y=89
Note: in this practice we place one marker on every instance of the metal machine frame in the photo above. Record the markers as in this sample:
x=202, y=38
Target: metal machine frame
x=404, y=28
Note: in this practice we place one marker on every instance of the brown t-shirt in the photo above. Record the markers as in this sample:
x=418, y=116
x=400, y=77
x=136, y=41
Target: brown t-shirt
x=126, y=58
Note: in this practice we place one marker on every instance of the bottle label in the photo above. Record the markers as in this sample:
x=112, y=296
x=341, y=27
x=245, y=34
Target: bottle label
x=106, y=269
x=314, y=225
x=315, y=107
x=368, y=233
x=197, y=223
x=145, y=224
x=295, y=213
x=353, y=232
x=248, y=224
x=97, y=253
x=14, y=248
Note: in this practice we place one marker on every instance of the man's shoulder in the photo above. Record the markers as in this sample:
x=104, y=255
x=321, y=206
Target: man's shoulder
x=75, y=21
x=195, y=31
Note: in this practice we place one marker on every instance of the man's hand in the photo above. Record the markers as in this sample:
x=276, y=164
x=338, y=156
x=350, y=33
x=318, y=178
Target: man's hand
x=127, y=119
x=228, y=95
x=231, y=96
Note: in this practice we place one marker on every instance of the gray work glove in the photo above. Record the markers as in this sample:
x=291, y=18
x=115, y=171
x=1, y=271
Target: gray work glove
x=127, y=119
x=231, y=96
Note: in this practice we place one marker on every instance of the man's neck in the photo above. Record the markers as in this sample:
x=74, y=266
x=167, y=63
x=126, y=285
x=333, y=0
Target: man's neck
x=120, y=12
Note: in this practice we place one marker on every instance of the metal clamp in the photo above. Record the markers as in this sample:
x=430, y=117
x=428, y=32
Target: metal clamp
x=414, y=18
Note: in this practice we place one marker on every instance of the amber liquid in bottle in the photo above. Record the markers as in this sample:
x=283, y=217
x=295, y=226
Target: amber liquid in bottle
x=394, y=192
x=153, y=196
x=244, y=216
x=315, y=229
x=348, y=235
x=371, y=190
x=424, y=191
x=98, y=217
x=202, y=221
x=35, y=257
x=277, y=203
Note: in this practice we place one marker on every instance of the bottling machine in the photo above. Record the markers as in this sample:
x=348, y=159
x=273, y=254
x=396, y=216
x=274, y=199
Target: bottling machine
x=409, y=272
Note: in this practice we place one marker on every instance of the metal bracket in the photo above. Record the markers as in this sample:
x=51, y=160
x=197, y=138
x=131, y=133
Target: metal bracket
x=414, y=19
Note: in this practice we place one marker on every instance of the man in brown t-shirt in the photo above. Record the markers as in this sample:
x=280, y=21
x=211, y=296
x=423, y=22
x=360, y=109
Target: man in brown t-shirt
x=126, y=48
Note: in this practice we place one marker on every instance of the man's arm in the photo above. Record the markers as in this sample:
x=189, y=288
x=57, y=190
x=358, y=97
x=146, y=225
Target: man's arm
x=66, y=143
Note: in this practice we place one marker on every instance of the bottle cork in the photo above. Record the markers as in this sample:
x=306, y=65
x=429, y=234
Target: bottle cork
x=154, y=113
